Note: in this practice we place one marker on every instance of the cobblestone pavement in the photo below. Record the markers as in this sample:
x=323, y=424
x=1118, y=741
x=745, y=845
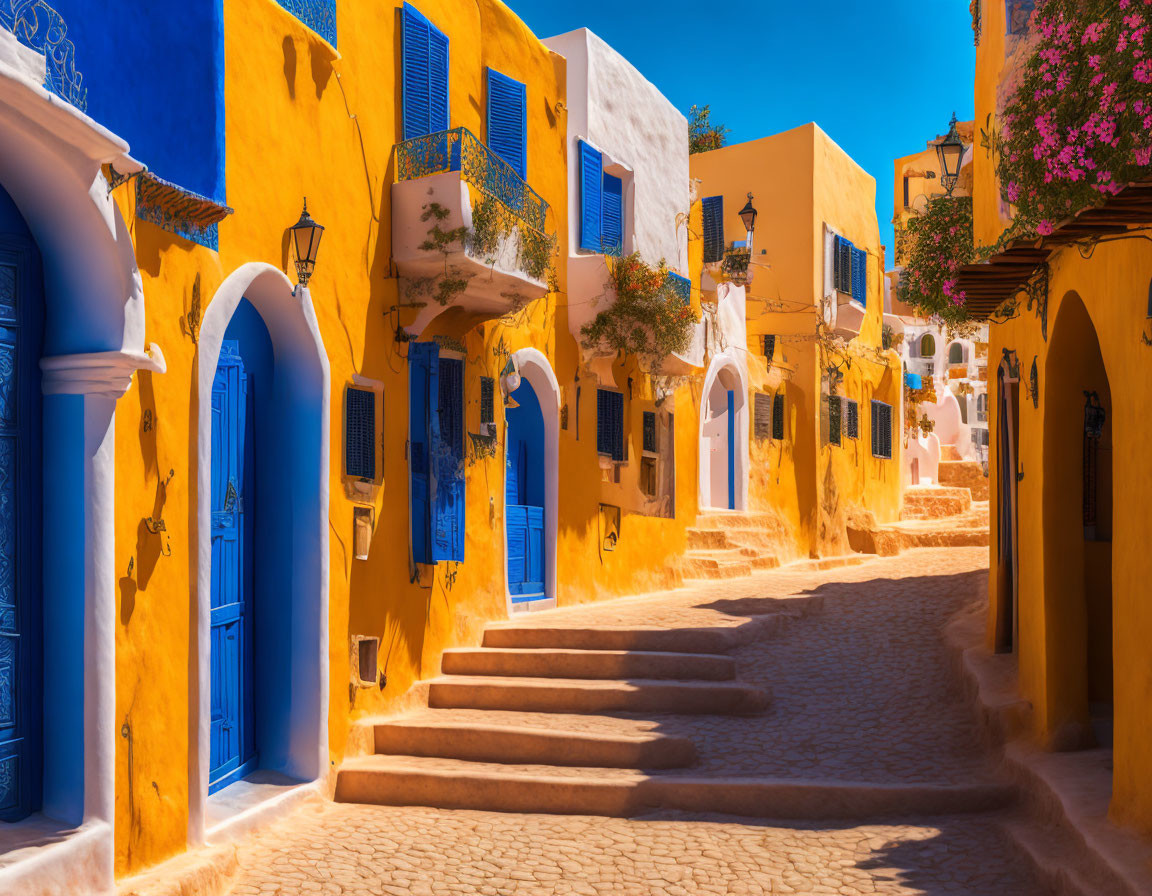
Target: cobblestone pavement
x=861, y=692
x=343, y=849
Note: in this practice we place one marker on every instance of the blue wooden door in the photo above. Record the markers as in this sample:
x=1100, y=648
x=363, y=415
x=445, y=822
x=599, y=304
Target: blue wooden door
x=524, y=497
x=232, y=744
x=21, y=628
x=731, y=450
x=447, y=438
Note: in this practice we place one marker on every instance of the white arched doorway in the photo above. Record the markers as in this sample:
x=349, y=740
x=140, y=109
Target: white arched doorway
x=257, y=317
x=724, y=436
x=532, y=450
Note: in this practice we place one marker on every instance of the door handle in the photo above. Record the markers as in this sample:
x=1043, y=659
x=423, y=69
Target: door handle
x=231, y=497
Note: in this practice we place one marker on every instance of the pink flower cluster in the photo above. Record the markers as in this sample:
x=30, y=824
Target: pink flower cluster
x=1080, y=126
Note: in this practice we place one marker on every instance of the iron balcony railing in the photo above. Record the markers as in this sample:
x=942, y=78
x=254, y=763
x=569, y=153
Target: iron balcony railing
x=39, y=27
x=459, y=150
x=681, y=288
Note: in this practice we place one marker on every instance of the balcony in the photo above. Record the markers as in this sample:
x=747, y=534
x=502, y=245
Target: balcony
x=52, y=61
x=468, y=234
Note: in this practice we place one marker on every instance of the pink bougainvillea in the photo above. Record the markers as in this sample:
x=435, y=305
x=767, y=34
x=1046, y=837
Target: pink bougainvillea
x=939, y=244
x=1079, y=126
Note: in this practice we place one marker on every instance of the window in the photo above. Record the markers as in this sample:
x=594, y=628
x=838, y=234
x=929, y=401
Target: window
x=425, y=75
x=881, y=429
x=851, y=418
x=927, y=346
x=956, y=353
x=436, y=453
x=508, y=120
x=713, y=211
x=850, y=269
x=610, y=423
x=769, y=348
x=487, y=400
x=778, y=416
x=962, y=400
x=835, y=418
x=601, y=205
x=907, y=204
x=360, y=434
x=982, y=408
x=762, y=416
x=650, y=432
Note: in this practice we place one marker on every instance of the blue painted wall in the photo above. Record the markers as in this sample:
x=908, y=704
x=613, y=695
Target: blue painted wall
x=526, y=428
x=155, y=76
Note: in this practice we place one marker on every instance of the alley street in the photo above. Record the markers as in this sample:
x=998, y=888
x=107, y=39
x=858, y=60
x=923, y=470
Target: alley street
x=862, y=699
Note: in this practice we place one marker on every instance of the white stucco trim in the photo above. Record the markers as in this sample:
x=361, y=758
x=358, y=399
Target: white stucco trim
x=535, y=368
x=295, y=333
x=50, y=157
x=735, y=363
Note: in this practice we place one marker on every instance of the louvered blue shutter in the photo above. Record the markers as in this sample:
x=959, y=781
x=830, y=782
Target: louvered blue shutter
x=860, y=276
x=844, y=265
x=424, y=93
x=360, y=434
x=448, y=463
x=591, y=198
x=713, y=226
x=610, y=424
x=423, y=392
x=508, y=120
x=612, y=210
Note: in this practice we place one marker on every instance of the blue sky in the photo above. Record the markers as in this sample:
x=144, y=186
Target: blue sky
x=880, y=78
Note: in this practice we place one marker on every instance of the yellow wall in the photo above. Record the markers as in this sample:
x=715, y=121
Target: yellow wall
x=1066, y=582
x=1054, y=608
x=800, y=180
x=302, y=122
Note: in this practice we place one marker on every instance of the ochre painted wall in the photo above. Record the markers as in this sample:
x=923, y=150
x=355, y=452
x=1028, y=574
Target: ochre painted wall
x=800, y=180
x=299, y=122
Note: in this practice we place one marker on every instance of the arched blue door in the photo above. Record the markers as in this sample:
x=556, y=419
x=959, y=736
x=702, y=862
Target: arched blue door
x=21, y=496
x=233, y=745
x=524, y=495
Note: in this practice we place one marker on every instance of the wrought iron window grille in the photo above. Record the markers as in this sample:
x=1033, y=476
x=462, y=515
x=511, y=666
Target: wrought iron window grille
x=460, y=151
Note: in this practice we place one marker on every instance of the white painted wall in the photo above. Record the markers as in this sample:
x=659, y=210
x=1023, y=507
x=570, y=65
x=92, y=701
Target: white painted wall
x=644, y=139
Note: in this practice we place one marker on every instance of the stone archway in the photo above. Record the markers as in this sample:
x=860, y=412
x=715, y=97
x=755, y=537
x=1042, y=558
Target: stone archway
x=290, y=554
x=1077, y=527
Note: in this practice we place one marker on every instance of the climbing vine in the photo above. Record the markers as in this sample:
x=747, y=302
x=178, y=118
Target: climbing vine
x=649, y=318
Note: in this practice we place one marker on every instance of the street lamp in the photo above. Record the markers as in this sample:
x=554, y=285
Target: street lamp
x=306, y=235
x=951, y=152
x=748, y=216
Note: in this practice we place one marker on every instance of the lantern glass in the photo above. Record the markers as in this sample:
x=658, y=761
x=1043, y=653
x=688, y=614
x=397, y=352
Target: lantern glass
x=306, y=235
x=748, y=215
x=951, y=153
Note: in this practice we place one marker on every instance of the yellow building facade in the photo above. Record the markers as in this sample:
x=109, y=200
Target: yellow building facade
x=1068, y=386
x=824, y=336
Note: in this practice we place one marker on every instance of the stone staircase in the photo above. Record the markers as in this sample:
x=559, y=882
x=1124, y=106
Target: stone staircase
x=932, y=516
x=553, y=719
x=967, y=474
x=730, y=544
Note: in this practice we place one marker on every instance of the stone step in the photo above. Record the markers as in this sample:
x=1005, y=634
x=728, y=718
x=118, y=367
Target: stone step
x=737, y=519
x=949, y=453
x=967, y=474
x=730, y=538
x=588, y=696
x=450, y=784
x=935, y=503
x=715, y=565
x=588, y=664
x=608, y=637
x=708, y=539
x=819, y=564
x=522, y=745
x=940, y=537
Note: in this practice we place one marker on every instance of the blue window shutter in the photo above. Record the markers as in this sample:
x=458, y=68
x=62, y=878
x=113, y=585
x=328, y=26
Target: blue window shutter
x=613, y=215
x=423, y=395
x=448, y=463
x=713, y=210
x=360, y=434
x=591, y=198
x=424, y=93
x=516, y=527
x=610, y=423
x=508, y=120
x=860, y=276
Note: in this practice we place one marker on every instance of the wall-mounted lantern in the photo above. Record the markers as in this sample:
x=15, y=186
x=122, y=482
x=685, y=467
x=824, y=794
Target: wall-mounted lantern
x=748, y=216
x=306, y=235
x=951, y=153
